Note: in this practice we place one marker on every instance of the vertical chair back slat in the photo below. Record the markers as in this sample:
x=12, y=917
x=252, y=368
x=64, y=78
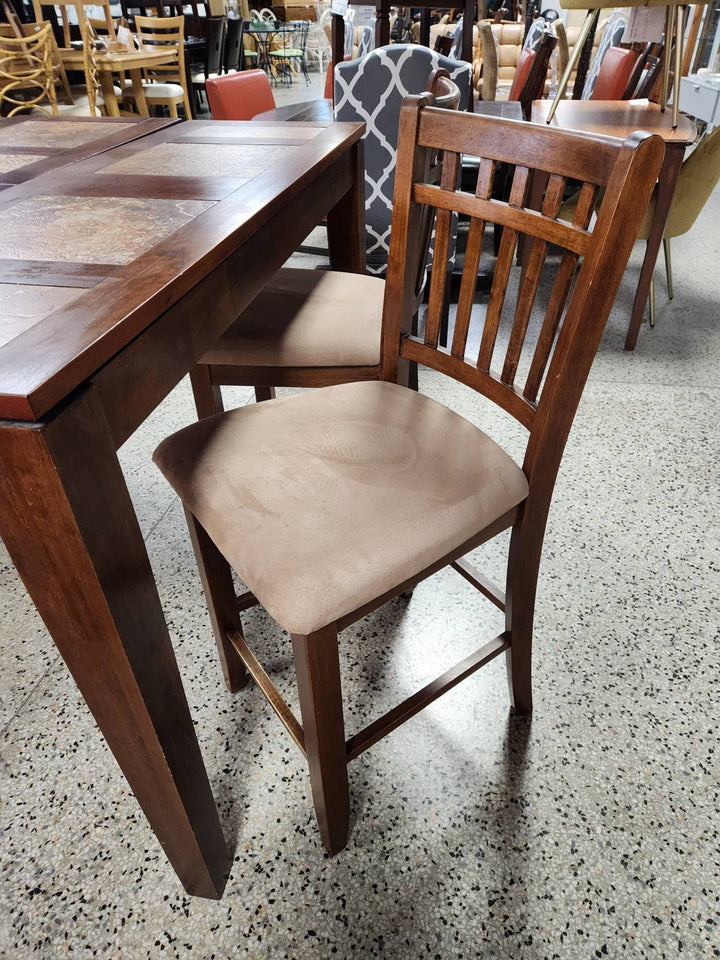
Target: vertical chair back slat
x=473, y=253
x=558, y=296
x=506, y=255
x=530, y=281
x=441, y=253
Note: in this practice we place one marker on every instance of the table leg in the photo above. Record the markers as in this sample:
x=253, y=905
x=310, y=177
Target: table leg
x=138, y=93
x=69, y=525
x=108, y=91
x=346, y=221
x=666, y=187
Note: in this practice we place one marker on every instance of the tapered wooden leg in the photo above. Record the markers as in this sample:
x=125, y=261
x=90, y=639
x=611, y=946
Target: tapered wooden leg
x=666, y=186
x=207, y=395
x=221, y=600
x=523, y=566
x=68, y=523
x=317, y=667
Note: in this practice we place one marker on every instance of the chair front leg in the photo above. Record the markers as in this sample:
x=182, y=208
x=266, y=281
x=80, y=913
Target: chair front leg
x=317, y=666
x=523, y=567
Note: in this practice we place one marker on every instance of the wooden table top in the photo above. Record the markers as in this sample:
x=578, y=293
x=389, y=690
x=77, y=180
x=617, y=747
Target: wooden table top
x=307, y=111
x=91, y=254
x=615, y=118
x=120, y=60
x=33, y=145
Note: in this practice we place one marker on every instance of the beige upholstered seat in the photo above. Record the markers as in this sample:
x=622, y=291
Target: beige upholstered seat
x=308, y=318
x=340, y=461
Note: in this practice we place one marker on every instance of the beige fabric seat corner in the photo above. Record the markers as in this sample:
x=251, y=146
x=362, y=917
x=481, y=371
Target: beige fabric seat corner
x=302, y=319
x=397, y=476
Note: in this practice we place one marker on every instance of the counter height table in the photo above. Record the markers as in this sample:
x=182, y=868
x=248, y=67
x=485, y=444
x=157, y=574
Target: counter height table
x=119, y=272
x=619, y=118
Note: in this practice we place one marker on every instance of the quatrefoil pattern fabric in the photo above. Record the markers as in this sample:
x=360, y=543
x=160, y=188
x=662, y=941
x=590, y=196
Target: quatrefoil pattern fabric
x=372, y=89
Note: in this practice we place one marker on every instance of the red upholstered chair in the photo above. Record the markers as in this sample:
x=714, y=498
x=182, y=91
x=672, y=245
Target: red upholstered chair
x=239, y=96
x=614, y=75
x=521, y=73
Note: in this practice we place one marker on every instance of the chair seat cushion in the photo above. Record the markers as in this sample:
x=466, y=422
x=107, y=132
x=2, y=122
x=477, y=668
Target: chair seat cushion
x=157, y=91
x=325, y=500
x=302, y=318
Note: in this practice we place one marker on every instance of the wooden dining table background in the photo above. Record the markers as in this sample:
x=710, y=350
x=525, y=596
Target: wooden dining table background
x=117, y=272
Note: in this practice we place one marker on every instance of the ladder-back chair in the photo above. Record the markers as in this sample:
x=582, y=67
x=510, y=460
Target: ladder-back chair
x=166, y=83
x=332, y=502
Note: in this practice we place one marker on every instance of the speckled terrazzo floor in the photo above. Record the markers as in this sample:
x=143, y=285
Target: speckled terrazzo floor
x=590, y=831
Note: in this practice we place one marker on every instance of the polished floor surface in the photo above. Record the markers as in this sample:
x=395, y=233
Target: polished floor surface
x=590, y=831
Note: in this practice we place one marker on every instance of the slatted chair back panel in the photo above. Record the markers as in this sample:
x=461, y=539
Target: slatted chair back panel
x=163, y=33
x=538, y=379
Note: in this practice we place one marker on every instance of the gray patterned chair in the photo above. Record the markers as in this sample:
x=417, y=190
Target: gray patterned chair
x=372, y=90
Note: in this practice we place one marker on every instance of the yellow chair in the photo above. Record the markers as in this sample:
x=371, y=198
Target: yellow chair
x=26, y=67
x=166, y=84
x=697, y=179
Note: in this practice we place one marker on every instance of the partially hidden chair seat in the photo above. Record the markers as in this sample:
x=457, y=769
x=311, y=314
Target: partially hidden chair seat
x=302, y=318
x=340, y=461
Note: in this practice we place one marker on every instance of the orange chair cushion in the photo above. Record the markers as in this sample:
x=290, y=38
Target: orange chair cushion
x=239, y=96
x=614, y=74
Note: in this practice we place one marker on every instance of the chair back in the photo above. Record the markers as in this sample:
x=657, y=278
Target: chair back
x=64, y=6
x=167, y=34
x=214, y=44
x=372, y=90
x=614, y=74
x=529, y=83
x=536, y=379
x=611, y=37
x=367, y=38
x=239, y=96
x=195, y=22
x=233, y=52
x=26, y=67
x=697, y=179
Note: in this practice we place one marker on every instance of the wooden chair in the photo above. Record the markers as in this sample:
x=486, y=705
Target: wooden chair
x=214, y=53
x=298, y=331
x=239, y=96
x=79, y=9
x=166, y=84
x=232, y=60
x=93, y=86
x=332, y=502
x=58, y=67
x=26, y=73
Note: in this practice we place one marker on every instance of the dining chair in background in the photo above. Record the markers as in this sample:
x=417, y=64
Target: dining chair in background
x=213, y=58
x=239, y=96
x=371, y=91
x=27, y=79
x=288, y=56
x=300, y=331
x=233, y=59
x=332, y=502
x=166, y=84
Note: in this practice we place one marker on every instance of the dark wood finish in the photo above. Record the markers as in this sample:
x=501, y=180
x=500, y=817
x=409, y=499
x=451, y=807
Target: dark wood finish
x=317, y=665
x=618, y=118
x=594, y=255
x=308, y=111
x=78, y=382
